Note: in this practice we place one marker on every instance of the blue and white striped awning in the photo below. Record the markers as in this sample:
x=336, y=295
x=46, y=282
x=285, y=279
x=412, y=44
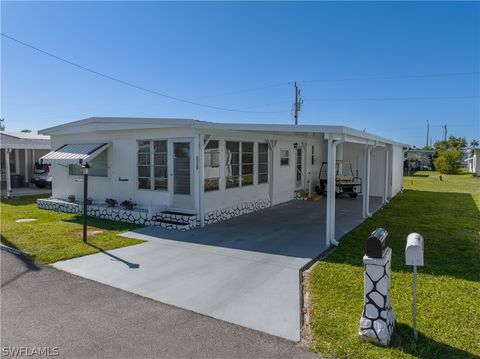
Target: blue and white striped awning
x=74, y=153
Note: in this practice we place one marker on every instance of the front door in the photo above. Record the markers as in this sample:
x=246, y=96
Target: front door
x=182, y=172
x=299, y=167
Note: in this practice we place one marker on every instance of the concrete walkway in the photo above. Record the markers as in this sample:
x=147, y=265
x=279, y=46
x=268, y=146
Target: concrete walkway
x=244, y=271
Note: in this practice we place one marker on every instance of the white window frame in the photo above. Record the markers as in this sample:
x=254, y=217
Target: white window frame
x=288, y=157
x=152, y=165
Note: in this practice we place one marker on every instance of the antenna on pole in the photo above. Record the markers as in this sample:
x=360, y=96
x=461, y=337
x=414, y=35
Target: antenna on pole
x=298, y=103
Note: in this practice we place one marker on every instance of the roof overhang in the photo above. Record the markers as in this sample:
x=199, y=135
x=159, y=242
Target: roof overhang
x=79, y=153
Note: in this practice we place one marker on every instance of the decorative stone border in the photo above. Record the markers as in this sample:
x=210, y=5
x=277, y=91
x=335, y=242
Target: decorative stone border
x=235, y=211
x=141, y=216
x=136, y=216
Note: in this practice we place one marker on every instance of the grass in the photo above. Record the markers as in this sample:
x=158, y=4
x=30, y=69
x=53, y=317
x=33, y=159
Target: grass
x=57, y=236
x=447, y=214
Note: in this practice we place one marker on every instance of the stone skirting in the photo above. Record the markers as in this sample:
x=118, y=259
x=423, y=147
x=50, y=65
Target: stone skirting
x=136, y=216
x=235, y=211
x=179, y=221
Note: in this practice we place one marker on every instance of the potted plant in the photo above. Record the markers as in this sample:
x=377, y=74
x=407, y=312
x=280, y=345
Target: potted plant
x=111, y=202
x=128, y=204
x=71, y=198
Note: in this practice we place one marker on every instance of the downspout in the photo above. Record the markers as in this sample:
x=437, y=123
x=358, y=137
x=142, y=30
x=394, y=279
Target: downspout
x=332, y=158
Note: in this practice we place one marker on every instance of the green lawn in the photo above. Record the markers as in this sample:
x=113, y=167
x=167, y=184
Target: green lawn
x=447, y=214
x=56, y=236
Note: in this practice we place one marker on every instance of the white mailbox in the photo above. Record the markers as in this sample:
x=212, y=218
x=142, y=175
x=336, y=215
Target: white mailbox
x=414, y=250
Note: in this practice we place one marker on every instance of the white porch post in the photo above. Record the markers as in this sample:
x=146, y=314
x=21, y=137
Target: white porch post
x=366, y=182
x=332, y=157
x=201, y=176
x=7, y=171
x=387, y=173
x=26, y=167
x=271, y=146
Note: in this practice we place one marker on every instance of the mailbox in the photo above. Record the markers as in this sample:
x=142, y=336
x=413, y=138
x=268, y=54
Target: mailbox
x=376, y=243
x=414, y=250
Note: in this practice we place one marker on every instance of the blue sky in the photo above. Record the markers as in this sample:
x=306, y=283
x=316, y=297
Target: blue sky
x=383, y=67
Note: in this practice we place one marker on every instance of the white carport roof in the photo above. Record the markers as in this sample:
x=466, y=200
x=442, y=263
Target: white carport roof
x=74, y=153
x=95, y=124
x=20, y=140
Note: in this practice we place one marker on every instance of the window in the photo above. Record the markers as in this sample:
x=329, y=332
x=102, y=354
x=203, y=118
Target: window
x=160, y=161
x=262, y=163
x=247, y=163
x=232, y=164
x=144, y=175
x=212, y=166
x=152, y=165
x=284, y=157
x=313, y=155
x=98, y=166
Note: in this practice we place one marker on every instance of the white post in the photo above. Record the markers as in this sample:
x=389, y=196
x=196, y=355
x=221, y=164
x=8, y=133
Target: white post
x=415, y=335
x=271, y=146
x=366, y=182
x=26, y=167
x=7, y=171
x=387, y=173
x=330, y=228
x=201, y=175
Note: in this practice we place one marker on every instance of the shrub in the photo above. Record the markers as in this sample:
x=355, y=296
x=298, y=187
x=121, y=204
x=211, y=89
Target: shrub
x=448, y=161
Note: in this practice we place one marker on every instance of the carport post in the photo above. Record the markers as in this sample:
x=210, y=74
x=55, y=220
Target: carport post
x=385, y=188
x=26, y=167
x=331, y=166
x=366, y=182
x=85, y=194
x=7, y=171
x=201, y=176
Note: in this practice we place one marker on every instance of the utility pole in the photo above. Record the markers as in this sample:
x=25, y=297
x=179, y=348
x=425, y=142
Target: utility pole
x=298, y=103
x=444, y=132
x=428, y=131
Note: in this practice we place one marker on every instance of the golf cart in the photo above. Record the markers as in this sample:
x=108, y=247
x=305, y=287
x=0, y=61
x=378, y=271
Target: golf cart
x=345, y=184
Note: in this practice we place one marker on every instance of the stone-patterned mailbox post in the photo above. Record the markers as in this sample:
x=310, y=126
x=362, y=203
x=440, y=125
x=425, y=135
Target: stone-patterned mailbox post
x=378, y=317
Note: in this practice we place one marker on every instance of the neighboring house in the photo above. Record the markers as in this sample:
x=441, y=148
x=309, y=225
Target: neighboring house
x=418, y=160
x=19, y=152
x=182, y=173
x=473, y=161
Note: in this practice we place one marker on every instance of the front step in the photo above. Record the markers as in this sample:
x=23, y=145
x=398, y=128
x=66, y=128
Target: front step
x=175, y=220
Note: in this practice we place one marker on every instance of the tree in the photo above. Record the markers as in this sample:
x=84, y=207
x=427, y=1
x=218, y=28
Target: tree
x=26, y=130
x=453, y=142
x=449, y=161
x=474, y=143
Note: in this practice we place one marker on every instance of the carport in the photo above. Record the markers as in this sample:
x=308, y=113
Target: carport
x=244, y=271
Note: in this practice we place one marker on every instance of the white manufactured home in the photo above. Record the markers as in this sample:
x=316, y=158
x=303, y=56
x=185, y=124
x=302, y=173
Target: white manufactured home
x=473, y=161
x=183, y=173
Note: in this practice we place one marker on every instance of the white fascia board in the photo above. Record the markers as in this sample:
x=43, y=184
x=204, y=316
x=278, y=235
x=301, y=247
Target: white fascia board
x=26, y=147
x=117, y=123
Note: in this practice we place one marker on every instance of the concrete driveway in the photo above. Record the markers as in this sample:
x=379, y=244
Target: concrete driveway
x=244, y=270
x=45, y=307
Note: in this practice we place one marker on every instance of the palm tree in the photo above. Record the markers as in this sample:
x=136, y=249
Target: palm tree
x=474, y=143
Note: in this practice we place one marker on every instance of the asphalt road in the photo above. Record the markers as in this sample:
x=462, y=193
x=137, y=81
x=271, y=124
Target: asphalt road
x=45, y=307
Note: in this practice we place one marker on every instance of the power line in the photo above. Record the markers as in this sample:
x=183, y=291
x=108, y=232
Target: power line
x=396, y=77
x=396, y=98
x=126, y=83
